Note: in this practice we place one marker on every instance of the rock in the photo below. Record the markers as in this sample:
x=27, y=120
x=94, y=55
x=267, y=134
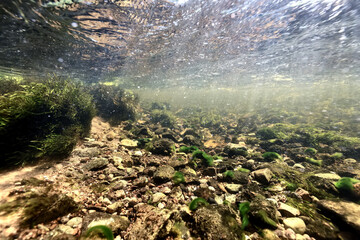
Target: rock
x=290, y=234
x=110, y=136
x=114, y=222
x=66, y=229
x=249, y=164
x=275, y=188
x=233, y=150
x=240, y=177
x=170, y=135
x=217, y=222
x=219, y=199
x=231, y=198
x=288, y=211
x=262, y=175
x=178, y=160
x=298, y=166
x=296, y=224
x=94, y=144
x=138, y=153
x=233, y=188
x=287, y=234
x=118, y=162
x=320, y=228
x=269, y=235
x=140, y=182
x=87, y=152
x=329, y=176
x=263, y=213
x=349, y=161
x=161, y=146
x=192, y=140
x=96, y=164
x=114, y=207
x=189, y=131
x=164, y=174
x=151, y=223
x=210, y=171
x=161, y=205
x=119, y=184
x=356, y=190
x=303, y=194
x=75, y=222
x=45, y=208
x=128, y=143
x=157, y=197
x=347, y=212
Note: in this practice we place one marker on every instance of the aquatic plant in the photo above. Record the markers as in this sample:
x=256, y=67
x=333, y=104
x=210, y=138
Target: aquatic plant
x=194, y=204
x=244, y=170
x=308, y=135
x=207, y=159
x=229, y=174
x=45, y=118
x=143, y=141
x=311, y=151
x=114, y=104
x=271, y=156
x=8, y=85
x=337, y=155
x=345, y=184
x=244, y=209
x=226, y=202
x=104, y=230
x=165, y=118
x=160, y=106
x=178, y=178
x=190, y=149
x=291, y=186
x=314, y=161
x=266, y=133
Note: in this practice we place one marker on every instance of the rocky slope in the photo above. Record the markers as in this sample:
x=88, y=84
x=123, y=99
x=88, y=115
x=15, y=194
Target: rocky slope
x=139, y=179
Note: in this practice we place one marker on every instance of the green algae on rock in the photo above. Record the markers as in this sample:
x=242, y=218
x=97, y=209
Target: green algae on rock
x=194, y=204
x=271, y=156
x=178, y=178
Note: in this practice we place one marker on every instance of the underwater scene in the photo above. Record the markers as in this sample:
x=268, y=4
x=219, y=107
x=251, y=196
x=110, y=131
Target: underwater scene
x=180, y=119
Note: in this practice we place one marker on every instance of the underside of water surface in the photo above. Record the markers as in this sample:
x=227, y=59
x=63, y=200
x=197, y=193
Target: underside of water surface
x=179, y=119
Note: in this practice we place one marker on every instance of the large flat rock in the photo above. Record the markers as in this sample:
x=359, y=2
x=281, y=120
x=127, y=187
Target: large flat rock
x=348, y=212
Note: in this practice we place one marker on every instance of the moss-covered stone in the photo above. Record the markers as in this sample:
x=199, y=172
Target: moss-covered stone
x=271, y=156
x=206, y=159
x=217, y=222
x=165, y=118
x=161, y=146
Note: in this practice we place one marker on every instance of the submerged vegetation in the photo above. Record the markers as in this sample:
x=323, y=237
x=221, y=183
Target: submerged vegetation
x=114, y=104
x=43, y=119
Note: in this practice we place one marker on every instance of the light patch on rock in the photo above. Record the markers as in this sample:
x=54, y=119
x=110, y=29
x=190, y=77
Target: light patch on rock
x=288, y=211
x=296, y=224
x=329, y=176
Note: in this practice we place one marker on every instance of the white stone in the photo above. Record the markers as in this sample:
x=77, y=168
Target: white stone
x=74, y=222
x=157, y=197
x=296, y=224
x=329, y=176
x=288, y=211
